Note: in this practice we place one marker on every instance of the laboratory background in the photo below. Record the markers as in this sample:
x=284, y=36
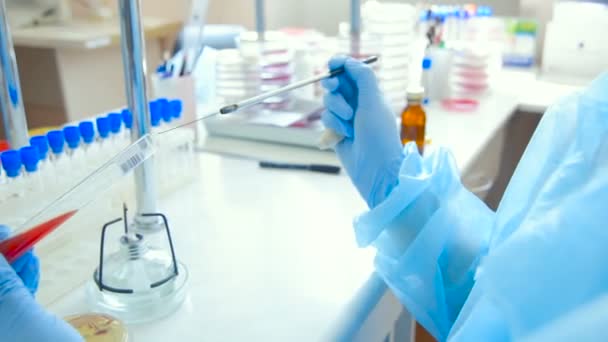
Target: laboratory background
x=169, y=162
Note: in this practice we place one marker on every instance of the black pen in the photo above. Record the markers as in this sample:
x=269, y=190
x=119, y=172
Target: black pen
x=330, y=169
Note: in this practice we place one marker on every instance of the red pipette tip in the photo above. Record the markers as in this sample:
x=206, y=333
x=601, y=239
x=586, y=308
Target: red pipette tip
x=15, y=246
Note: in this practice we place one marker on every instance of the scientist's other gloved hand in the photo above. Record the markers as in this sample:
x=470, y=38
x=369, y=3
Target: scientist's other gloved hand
x=371, y=151
x=26, y=267
x=21, y=318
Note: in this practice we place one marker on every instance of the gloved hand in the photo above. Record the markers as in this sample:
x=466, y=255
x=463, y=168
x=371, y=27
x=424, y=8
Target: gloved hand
x=21, y=318
x=27, y=266
x=371, y=151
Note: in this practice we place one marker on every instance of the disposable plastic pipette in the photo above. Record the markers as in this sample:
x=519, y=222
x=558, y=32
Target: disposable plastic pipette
x=329, y=137
x=67, y=205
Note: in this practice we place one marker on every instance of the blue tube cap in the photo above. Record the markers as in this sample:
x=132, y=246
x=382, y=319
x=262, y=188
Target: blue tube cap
x=155, y=113
x=42, y=144
x=72, y=136
x=11, y=163
x=176, y=108
x=87, y=131
x=127, y=118
x=165, y=110
x=115, y=122
x=30, y=158
x=103, y=127
x=56, y=141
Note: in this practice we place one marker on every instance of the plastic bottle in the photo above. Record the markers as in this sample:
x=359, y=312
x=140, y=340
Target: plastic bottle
x=165, y=110
x=127, y=119
x=74, y=151
x=427, y=64
x=90, y=148
x=103, y=142
x=413, y=119
x=11, y=198
x=33, y=183
x=116, y=137
x=42, y=145
x=59, y=160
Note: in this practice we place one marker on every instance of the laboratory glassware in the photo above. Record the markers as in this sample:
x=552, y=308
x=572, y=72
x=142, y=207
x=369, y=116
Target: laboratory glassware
x=413, y=119
x=140, y=282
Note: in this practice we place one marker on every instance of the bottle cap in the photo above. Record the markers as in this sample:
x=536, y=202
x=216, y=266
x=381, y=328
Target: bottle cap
x=30, y=158
x=115, y=122
x=42, y=144
x=72, y=136
x=415, y=94
x=165, y=110
x=155, y=115
x=176, y=108
x=127, y=118
x=103, y=127
x=426, y=63
x=87, y=131
x=11, y=163
x=56, y=141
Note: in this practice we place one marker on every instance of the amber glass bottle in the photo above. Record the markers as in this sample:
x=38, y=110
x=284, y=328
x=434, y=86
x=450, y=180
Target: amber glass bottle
x=413, y=119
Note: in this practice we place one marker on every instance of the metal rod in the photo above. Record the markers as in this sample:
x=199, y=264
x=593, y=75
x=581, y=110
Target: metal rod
x=260, y=19
x=355, y=27
x=257, y=99
x=134, y=64
x=11, y=99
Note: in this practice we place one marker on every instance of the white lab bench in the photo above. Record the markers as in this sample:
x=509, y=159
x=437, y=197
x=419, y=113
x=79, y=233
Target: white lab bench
x=272, y=255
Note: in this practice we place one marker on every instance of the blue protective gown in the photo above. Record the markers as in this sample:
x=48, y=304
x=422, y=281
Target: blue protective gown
x=533, y=270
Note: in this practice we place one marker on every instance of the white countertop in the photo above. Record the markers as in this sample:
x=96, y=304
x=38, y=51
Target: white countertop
x=272, y=254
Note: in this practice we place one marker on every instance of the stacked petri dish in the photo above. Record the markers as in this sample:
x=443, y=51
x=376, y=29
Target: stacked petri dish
x=470, y=72
x=274, y=63
x=237, y=75
x=393, y=24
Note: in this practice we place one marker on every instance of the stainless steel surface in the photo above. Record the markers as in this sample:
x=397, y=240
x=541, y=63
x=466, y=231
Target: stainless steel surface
x=134, y=64
x=11, y=99
x=355, y=17
x=260, y=19
x=355, y=27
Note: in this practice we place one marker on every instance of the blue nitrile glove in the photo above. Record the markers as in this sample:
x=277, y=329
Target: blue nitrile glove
x=21, y=318
x=371, y=151
x=27, y=266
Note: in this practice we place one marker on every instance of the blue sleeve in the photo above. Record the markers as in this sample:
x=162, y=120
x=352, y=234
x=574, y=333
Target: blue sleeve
x=430, y=234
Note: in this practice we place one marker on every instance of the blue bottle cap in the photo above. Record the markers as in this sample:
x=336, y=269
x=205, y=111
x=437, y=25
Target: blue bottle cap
x=11, y=163
x=165, y=110
x=155, y=115
x=103, y=127
x=42, y=144
x=87, y=131
x=426, y=63
x=115, y=122
x=72, y=136
x=30, y=158
x=176, y=108
x=127, y=118
x=56, y=141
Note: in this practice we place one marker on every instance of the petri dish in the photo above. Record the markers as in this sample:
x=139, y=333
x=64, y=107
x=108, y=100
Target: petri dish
x=97, y=327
